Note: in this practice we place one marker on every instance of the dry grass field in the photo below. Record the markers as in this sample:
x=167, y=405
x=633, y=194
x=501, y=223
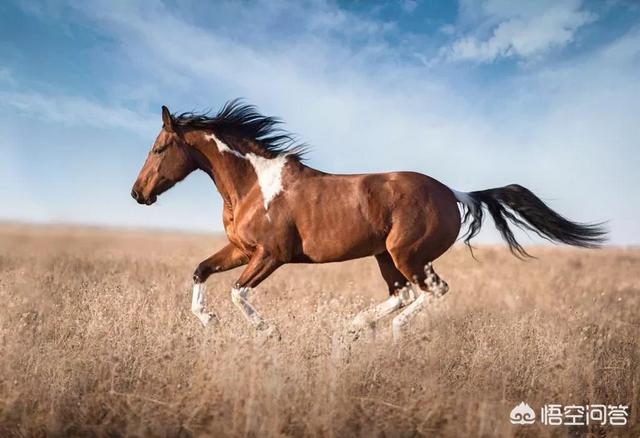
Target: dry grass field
x=96, y=339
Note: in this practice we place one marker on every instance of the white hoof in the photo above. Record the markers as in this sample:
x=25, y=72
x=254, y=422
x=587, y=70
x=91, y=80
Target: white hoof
x=207, y=318
x=358, y=323
x=267, y=331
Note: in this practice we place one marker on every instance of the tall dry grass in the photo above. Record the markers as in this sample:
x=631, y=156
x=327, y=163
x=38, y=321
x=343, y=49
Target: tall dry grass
x=96, y=339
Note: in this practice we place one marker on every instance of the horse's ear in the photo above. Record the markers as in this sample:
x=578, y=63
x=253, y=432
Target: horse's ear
x=167, y=119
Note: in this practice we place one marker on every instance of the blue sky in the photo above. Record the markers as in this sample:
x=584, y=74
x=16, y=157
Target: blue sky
x=475, y=93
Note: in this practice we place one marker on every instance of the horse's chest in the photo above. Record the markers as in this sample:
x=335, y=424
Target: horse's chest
x=241, y=232
x=231, y=231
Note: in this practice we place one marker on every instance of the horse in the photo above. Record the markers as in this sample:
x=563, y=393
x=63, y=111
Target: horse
x=277, y=210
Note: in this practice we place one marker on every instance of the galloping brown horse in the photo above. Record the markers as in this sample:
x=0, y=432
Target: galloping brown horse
x=278, y=210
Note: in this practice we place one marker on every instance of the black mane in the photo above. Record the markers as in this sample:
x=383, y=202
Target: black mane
x=245, y=120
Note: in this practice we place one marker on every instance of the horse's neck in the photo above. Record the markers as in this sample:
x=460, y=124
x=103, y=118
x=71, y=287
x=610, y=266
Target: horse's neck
x=230, y=182
x=235, y=174
x=231, y=174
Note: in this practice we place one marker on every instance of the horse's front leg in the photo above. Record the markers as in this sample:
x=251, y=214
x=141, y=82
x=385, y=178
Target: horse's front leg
x=261, y=265
x=227, y=258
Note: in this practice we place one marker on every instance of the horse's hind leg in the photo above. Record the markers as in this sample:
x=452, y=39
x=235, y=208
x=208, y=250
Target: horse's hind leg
x=399, y=294
x=431, y=285
x=392, y=276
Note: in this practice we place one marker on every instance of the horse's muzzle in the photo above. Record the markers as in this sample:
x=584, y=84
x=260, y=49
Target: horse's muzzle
x=140, y=199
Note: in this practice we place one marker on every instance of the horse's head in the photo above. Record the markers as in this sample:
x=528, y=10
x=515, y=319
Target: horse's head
x=168, y=162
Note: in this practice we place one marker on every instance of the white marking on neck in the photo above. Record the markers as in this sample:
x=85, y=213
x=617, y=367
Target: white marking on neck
x=268, y=170
x=222, y=146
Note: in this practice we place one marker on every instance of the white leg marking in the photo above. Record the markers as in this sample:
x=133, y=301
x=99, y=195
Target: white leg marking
x=403, y=318
x=370, y=316
x=408, y=293
x=394, y=302
x=240, y=297
x=198, y=303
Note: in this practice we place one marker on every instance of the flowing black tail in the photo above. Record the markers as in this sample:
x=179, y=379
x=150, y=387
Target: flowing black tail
x=527, y=212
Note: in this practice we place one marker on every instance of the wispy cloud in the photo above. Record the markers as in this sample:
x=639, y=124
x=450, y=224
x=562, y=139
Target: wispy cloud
x=76, y=111
x=522, y=31
x=409, y=5
x=344, y=89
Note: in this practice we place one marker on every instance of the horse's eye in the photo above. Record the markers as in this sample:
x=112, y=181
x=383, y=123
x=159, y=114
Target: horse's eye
x=159, y=149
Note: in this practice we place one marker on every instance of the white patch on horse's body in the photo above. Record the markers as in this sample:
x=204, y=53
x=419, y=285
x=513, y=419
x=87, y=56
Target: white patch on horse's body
x=268, y=170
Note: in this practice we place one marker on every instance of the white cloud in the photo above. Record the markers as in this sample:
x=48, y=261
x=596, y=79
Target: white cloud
x=522, y=31
x=76, y=111
x=409, y=5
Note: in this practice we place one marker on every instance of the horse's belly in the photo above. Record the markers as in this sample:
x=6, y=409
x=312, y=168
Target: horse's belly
x=336, y=237
x=325, y=252
x=340, y=218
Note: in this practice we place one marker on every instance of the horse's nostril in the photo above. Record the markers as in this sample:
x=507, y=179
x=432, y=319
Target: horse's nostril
x=134, y=194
